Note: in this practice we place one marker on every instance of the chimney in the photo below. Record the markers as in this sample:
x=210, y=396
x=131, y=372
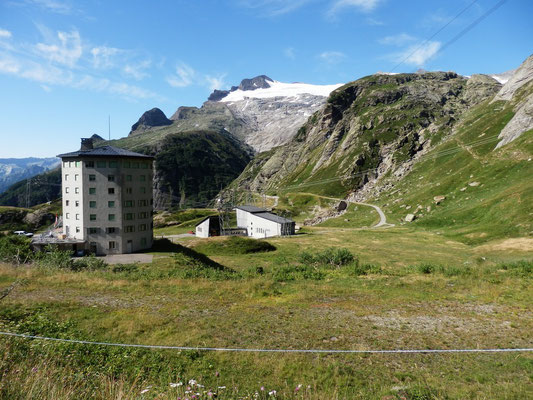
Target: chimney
x=86, y=144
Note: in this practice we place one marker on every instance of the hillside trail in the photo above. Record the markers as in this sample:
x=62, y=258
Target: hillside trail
x=382, y=218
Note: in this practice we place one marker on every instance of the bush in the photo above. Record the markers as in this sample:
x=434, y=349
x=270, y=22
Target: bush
x=426, y=268
x=90, y=263
x=52, y=257
x=15, y=249
x=331, y=257
x=521, y=268
x=364, y=269
x=286, y=273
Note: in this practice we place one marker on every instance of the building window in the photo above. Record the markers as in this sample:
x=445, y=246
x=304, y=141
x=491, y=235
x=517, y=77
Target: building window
x=110, y=190
x=92, y=178
x=129, y=229
x=143, y=190
x=77, y=229
x=78, y=163
x=129, y=191
x=67, y=202
x=100, y=164
x=67, y=216
x=142, y=227
x=92, y=190
x=70, y=163
x=92, y=217
x=129, y=216
x=143, y=241
x=143, y=203
x=111, y=230
x=113, y=164
x=112, y=245
x=111, y=178
x=143, y=215
x=76, y=190
x=89, y=164
x=128, y=203
x=129, y=178
x=92, y=204
x=126, y=164
x=92, y=231
x=66, y=177
x=66, y=190
x=144, y=166
x=77, y=217
x=142, y=178
x=76, y=176
x=111, y=204
x=65, y=164
x=77, y=203
x=111, y=217
x=135, y=165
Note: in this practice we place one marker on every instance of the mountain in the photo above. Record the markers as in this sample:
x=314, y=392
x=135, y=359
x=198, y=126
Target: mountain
x=13, y=170
x=404, y=140
x=43, y=188
x=152, y=118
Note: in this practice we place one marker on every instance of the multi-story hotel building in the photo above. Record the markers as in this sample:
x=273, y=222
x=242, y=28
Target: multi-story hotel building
x=107, y=198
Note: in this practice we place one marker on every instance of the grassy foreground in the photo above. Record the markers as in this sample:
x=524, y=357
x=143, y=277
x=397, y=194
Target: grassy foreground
x=404, y=289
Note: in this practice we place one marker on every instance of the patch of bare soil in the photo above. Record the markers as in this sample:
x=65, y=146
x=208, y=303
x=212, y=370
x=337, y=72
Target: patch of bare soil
x=517, y=244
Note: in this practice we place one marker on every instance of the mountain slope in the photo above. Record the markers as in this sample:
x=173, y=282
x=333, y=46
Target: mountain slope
x=13, y=170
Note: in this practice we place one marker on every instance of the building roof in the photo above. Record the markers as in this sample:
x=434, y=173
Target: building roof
x=251, y=209
x=206, y=218
x=273, y=217
x=104, y=151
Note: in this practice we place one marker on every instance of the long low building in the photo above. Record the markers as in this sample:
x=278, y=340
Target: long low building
x=260, y=223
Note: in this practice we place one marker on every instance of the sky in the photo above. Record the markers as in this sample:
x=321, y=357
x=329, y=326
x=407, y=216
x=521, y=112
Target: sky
x=69, y=67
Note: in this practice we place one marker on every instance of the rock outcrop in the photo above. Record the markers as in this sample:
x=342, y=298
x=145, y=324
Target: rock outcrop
x=152, y=118
x=522, y=75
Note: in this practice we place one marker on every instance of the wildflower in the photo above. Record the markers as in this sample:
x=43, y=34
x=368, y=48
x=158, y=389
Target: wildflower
x=144, y=390
x=176, y=384
x=34, y=369
x=217, y=374
x=210, y=394
x=192, y=382
x=222, y=387
x=200, y=386
x=262, y=388
x=298, y=387
x=272, y=393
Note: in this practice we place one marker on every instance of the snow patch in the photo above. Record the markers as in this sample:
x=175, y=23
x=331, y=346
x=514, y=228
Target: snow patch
x=281, y=89
x=502, y=79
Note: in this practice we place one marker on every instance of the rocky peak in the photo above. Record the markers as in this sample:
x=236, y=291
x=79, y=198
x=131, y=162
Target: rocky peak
x=259, y=82
x=151, y=118
x=522, y=75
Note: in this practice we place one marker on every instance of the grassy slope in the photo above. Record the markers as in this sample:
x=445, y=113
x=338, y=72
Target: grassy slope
x=500, y=207
x=474, y=304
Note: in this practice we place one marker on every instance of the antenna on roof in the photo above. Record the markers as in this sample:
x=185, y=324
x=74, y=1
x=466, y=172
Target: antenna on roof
x=109, y=126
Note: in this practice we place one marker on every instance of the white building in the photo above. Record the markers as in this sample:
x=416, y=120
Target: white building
x=107, y=199
x=260, y=223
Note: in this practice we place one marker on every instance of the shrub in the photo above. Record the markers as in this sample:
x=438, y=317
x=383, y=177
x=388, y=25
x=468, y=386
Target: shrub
x=331, y=257
x=364, y=269
x=90, y=263
x=52, y=257
x=521, y=268
x=15, y=249
x=284, y=273
x=426, y=268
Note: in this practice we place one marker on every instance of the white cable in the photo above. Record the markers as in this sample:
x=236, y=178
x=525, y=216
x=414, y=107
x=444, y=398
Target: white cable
x=161, y=347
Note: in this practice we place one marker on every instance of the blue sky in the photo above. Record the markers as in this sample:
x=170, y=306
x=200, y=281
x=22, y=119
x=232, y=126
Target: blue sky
x=66, y=65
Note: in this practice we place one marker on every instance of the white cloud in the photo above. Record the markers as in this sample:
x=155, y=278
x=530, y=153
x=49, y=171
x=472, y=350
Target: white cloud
x=360, y=5
x=332, y=57
x=67, y=51
x=272, y=8
x=289, y=53
x=137, y=71
x=58, y=7
x=215, y=82
x=418, y=54
x=184, y=76
x=103, y=56
x=5, y=34
x=397, y=40
x=374, y=22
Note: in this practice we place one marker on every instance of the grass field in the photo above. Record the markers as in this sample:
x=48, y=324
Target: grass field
x=408, y=289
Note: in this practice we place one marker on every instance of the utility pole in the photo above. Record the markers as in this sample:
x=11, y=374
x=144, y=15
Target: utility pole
x=28, y=192
x=109, y=126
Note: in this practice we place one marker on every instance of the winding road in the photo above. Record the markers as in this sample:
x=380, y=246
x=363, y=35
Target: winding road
x=382, y=218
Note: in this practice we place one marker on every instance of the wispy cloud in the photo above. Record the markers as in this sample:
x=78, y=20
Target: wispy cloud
x=289, y=53
x=104, y=57
x=183, y=77
x=137, y=70
x=60, y=60
x=271, y=8
x=359, y=5
x=67, y=50
x=215, y=82
x=55, y=6
x=332, y=57
x=417, y=55
x=5, y=34
x=397, y=40
x=374, y=22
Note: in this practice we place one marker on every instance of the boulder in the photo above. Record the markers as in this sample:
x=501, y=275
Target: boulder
x=474, y=184
x=342, y=206
x=439, y=199
x=410, y=218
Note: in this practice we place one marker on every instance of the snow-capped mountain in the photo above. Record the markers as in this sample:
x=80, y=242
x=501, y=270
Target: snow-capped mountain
x=272, y=111
x=13, y=170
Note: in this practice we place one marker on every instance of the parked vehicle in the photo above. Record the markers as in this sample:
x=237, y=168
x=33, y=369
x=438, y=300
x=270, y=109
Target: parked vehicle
x=23, y=233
